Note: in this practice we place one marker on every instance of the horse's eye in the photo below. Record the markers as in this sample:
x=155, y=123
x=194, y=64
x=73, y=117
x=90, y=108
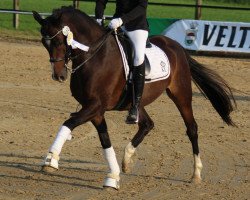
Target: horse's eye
x=57, y=43
x=46, y=43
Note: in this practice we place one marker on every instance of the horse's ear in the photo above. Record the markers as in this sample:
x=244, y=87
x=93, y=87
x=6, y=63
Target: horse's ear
x=38, y=17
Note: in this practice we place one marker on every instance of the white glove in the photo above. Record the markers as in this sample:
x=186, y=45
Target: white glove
x=115, y=23
x=99, y=21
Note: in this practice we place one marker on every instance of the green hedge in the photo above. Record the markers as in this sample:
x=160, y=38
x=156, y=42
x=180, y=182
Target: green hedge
x=28, y=26
x=205, y=2
x=231, y=1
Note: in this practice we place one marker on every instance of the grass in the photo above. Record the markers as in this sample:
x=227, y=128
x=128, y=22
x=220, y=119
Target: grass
x=29, y=28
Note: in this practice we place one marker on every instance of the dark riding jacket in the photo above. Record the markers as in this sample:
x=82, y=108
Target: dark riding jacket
x=132, y=12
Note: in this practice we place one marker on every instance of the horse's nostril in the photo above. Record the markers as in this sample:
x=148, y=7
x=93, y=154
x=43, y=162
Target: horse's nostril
x=61, y=78
x=53, y=77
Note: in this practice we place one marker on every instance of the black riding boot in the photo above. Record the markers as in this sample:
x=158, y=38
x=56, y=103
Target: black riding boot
x=138, y=80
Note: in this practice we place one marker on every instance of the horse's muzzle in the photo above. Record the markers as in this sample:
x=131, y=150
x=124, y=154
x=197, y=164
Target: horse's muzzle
x=59, y=74
x=60, y=78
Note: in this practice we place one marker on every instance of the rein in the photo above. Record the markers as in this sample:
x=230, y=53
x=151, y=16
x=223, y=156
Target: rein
x=93, y=51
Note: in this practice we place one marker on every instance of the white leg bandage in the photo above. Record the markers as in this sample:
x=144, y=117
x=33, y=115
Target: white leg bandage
x=197, y=166
x=129, y=152
x=113, y=177
x=51, y=160
x=63, y=134
x=112, y=161
x=127, y=162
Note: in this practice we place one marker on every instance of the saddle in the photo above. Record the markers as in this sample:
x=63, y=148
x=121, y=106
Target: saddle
x=156, y=66
x=128, y=49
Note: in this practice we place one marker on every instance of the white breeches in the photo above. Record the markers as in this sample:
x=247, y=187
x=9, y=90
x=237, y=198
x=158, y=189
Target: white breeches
x=139, y=39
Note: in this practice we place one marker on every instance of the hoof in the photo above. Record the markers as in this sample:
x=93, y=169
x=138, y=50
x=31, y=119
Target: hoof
x=127, y=167
x=111, y=183
x=196, y=180
x=109, y=189
x=48, y=169
x=50, y=163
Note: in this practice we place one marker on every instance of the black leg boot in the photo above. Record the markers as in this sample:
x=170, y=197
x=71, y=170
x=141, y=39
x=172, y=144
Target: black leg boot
x=138, y=80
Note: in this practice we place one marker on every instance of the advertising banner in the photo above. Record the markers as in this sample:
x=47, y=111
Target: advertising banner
x=210, y=35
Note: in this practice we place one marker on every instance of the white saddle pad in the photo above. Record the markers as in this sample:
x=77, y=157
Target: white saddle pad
x=159, y=63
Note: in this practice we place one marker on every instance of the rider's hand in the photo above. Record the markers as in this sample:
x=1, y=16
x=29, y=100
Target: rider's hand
x=115, y=23
x=99, y=21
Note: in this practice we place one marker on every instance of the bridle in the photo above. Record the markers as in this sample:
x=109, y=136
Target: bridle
x=68, y=52
x=90, y=54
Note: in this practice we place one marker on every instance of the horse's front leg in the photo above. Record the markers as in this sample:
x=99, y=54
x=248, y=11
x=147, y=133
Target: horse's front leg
x=113, y=177
x=50, y=163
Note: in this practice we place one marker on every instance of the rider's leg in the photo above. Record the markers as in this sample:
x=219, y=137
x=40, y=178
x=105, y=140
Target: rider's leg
x=138, y=38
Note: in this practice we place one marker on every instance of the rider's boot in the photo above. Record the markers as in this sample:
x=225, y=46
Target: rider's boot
x=138, y=80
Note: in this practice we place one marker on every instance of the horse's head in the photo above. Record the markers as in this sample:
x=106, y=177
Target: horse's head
x=55, y=43
x=85, y=30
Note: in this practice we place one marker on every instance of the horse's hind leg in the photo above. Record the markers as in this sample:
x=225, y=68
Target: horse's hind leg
x=183, y=103
x=113, y=177
x=145, y=125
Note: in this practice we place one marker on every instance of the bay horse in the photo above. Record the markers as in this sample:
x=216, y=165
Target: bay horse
x=98, y=80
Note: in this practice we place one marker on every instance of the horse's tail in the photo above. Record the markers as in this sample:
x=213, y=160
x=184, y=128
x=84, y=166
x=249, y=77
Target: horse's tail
x=213, y=87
